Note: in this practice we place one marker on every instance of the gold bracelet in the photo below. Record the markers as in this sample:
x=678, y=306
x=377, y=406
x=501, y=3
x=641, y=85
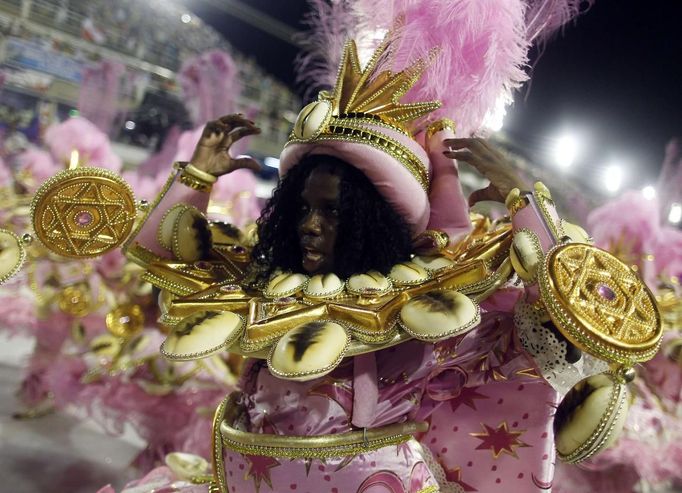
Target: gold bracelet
x=199, y=174
x=195, y=178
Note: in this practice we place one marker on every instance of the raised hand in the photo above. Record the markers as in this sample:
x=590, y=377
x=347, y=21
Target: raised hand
x=212, y=153
x=491, y=163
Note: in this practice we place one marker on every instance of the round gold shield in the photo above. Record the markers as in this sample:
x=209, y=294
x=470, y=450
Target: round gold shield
x=600, y=304
x=83, y=212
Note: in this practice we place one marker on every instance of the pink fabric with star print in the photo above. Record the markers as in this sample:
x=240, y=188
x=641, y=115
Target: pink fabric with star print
x=489, y=410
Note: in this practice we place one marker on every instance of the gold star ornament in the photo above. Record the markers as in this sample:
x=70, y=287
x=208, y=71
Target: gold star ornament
x=600, y=304
x=83, y=212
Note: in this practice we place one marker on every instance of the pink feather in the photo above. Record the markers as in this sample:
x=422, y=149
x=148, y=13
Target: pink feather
x=329, y=26
x=545, y=17
x=210, y=85
x=482, y=54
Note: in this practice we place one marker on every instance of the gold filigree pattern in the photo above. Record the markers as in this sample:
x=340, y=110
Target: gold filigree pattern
x=83, y=212
x=600, y=304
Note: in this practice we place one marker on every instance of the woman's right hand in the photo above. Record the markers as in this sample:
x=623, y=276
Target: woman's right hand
x=212, y=153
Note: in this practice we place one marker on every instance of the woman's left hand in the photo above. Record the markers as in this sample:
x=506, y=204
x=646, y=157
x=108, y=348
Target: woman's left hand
x=491, y=163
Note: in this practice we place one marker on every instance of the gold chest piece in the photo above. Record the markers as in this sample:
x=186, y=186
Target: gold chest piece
x=83, y=212
x=600, y=304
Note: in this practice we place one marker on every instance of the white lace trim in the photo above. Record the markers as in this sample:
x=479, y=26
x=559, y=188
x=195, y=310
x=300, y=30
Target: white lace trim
x=550, y=354
x=436, y=469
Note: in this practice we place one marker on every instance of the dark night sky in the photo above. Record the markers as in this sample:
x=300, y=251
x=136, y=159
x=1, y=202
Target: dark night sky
x=615, y=77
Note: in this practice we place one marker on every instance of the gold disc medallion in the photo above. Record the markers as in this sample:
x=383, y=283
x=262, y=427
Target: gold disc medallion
x=600, y=304
x=83, y=212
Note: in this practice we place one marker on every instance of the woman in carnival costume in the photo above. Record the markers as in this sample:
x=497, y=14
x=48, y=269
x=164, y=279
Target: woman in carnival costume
x=395, y=344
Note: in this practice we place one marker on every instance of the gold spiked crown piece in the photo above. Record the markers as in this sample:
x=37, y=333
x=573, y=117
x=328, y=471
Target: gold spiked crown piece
x=365, y=97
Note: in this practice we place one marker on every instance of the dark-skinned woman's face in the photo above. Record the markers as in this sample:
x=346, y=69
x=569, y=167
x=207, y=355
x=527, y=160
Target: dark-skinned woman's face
x=319, y=220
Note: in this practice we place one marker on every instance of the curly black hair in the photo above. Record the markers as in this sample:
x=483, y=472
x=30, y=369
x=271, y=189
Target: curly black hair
x=371, y=235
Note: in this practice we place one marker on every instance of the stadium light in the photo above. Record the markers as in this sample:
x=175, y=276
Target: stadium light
x=613, y=178
x=649, y=192
x=566, y=150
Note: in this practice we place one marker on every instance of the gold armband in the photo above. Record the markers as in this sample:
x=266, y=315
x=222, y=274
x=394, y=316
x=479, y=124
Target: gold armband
x=195, y=178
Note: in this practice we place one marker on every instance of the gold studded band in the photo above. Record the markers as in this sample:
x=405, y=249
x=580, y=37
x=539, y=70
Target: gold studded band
x=361, y=135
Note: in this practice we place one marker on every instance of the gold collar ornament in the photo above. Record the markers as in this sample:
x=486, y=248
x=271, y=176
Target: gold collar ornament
x=304, y=326
x=83, y=212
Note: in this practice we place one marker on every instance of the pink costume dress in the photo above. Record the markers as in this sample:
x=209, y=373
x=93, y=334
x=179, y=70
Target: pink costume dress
x=485, y=394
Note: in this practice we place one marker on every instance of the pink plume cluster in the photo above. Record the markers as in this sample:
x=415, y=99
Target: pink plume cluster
x=210, y=86
x=482, y=52
x=483, y=47
x=99, y=93
x=329, y=25
x=92, y=144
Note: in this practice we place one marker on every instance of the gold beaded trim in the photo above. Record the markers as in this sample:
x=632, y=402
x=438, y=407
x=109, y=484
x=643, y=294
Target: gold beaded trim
x=543, y=202
x=361, y=135
x=163, y=283
x=140, y=256
x=219, y=483
x=318, y=446
x=373, y=336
